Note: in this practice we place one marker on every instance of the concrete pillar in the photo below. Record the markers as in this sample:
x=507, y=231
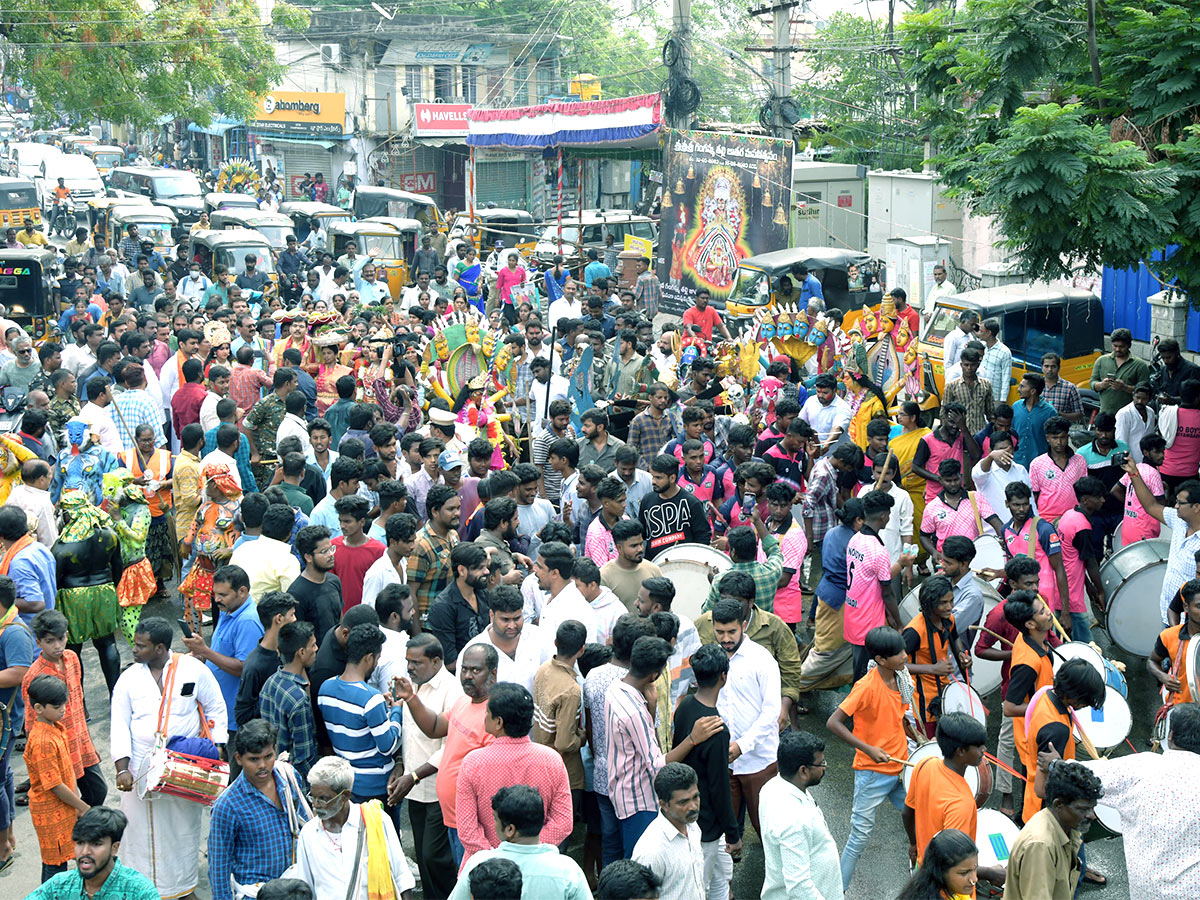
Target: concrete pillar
x=1168, y=315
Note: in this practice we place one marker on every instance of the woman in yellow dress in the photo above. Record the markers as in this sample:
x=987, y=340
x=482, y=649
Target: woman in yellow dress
x=329, y=370
x=904, y=445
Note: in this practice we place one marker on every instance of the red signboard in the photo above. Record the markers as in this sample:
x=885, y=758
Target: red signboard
x=845, y=201
x=441, y=119
x=417, y=182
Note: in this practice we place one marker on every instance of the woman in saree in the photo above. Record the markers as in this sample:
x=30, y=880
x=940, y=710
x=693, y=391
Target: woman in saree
x=329, y=370
x=904, y=445
x=209, y=540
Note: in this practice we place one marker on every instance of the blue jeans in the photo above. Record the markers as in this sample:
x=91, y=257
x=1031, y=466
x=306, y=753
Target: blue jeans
x=8, y=806
x=456, y=847
x=610, y=831
x=870, y=790
x=1081, y=627
x=632, y=828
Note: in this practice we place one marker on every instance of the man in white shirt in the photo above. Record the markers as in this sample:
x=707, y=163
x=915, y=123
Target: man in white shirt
x=395, y=607
x=408, y=296
x=553, y=569
x=827, y=413
x=193, y=285
x=293, y=423
x=898, y=533
x=802, y=860
x=568, y=306
x=670, y=845
x=1136, y=420
x=99, y=418
x=228, y=438
x=546, y=388
x=392, y=567
x=998, y=470
x=956, y=341
x=33, y=496
x=521, y=647
x=750, y=704
x=218, y=389
x=942, y=288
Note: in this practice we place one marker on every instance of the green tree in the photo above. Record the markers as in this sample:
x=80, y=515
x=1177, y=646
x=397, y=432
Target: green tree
x=111, y=59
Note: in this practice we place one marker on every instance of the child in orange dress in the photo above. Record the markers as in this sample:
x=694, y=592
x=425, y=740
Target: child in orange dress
x=54, y=801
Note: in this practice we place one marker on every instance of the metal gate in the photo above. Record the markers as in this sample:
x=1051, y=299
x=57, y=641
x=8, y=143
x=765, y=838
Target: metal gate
x=505, y=184
x=301, y=158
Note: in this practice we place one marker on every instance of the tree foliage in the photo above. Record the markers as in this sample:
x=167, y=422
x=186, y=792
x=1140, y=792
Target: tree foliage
x=111, y=59
x=1076, y=130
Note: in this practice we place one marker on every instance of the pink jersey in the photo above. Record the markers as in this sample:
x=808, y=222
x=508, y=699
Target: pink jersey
x=1181, y=457
x=868, y=568
x=1046, y=546
x=1055, y=487
x=1071, y=524
x=939, y=450
x=943, y=520
x=705, y=488
x=793, y=545
x=1138, y=525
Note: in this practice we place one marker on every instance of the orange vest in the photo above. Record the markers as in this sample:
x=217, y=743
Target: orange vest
x=1045, y=713
x=928, y=686
x=1025, y=655
x=158, y=468
x=1171, y=639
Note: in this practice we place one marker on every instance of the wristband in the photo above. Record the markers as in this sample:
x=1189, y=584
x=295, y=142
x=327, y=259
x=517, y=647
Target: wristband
x=416, y=778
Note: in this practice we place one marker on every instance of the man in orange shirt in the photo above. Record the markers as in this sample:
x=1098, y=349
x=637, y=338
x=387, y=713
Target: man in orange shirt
x=1031, y=668
x=938, y=794
x=705, y=316
x=877, y=703
x=1168, y=661
x=929, y=639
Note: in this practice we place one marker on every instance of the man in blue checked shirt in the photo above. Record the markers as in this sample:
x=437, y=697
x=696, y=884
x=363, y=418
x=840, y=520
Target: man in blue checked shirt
x=255, y=822
x=361, y=727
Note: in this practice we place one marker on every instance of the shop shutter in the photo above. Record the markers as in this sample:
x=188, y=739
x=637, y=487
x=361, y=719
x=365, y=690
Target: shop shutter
x=301, y=158
x=505, y=184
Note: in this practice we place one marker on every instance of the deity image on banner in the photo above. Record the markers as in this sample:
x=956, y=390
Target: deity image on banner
x=717, y=242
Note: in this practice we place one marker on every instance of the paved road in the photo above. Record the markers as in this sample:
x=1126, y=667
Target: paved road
x=882, y=869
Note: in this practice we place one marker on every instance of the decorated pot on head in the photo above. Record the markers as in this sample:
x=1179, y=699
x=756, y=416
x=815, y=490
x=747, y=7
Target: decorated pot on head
x=216, y=334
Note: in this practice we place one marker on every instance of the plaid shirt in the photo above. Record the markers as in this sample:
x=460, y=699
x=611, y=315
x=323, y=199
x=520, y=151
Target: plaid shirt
x=647, y=293
x=977, y=400
x=648, y=435
x=284, y=702
x=523, y=388
x=429, y=565
x=765, y=574
x=997, y=369
x=134, y=408
x=1064, y=397
x=246, y=385
x=241, y=456
x=820, y=500
x=249, y=837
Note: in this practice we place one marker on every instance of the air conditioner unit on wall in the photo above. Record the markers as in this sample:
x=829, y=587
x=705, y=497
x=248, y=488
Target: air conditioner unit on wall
x=331, y=54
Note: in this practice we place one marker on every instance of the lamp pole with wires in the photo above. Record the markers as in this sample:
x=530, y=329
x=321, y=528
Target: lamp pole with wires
x=680, y=65
x=781, y=81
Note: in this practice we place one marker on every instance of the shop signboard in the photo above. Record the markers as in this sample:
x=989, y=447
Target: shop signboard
x=417, y=182
x=440, y=119
x=725, y=197
x=300, y=113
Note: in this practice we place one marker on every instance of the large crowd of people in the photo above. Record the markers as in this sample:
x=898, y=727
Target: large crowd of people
x=374, y=612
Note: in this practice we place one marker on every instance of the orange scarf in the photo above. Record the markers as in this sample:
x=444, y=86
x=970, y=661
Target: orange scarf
x=17, y=546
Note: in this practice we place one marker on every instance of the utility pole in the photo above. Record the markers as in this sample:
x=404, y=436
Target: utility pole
x=681, y=66
x=781, y=50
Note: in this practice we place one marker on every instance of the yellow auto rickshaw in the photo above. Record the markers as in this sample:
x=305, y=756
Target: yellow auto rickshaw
x=369, y=202
x=18, y=202
x=155, y=223
x=26, y=291
x=105, y=157
x=230, y=248
x=391, y=247
x=275, y=227
x=308, y=215
x=1035, y=319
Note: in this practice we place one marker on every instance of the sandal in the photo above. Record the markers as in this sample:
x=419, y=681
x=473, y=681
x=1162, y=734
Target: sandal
x=1095, y=878
x=7, y=864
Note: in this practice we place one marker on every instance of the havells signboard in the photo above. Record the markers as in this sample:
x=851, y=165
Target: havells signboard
x=440, y=119
x=301, y=113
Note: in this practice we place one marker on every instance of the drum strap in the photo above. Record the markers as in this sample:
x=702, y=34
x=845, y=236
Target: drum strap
x=1033, y=527
x=975, y=509
x=164, y=705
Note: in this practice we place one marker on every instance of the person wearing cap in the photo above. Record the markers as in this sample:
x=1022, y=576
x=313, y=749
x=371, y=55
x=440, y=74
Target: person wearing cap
x=443, y=425
x=153, y=257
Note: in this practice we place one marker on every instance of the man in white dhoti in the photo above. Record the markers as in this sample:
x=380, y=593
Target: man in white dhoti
x=348, y=845
x=168, y=692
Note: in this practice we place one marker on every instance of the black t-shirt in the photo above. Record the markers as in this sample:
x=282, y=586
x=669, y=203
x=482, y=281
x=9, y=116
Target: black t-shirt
x=668, y=522
x=330, y=663
x=260, y=664
x=318, y=604
x=711, y=762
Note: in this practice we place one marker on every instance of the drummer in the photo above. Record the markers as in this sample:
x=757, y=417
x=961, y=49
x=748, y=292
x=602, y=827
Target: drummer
x=1053, y=474
x=1175, y=610
x=930, y=638
x=1168, y=661
x=1031, y=667
x=957, y=555
x=954, y=511
x=1075, y=529
x=1046, y=549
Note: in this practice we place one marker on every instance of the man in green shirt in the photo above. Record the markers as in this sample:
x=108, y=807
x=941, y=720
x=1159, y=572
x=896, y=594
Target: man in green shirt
x=294, y=465
x=1116, y=374
x=98, y=875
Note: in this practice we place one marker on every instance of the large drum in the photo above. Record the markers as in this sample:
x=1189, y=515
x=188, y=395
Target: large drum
x=1132, y=579
x=957, y=696
x=985, y=673
x=692, y=568
x=989, y=554
x=995, y=834
x=932, y=749
x=1107, y=726
x=1112, y=676
x=1107, y=824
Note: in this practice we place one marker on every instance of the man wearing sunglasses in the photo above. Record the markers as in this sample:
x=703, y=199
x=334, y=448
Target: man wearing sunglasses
x=24, y=368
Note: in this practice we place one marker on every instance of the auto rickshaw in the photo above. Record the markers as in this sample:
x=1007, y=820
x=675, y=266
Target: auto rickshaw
x=1035, y=319
x=218, y=200
x=307, y=215
x=99, y=209
x=770, y=278
x=18, y=202
x=275, y=227
x=105, y=157
x=74, y=143
x=515, y=227
x=229, y=248
x=155, y=223
x=392, y=248
x=369, y=202
x=26, y=291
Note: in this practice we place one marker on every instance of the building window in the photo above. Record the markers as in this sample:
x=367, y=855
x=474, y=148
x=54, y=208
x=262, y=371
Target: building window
x=412, y=83
x=443, y=83
x=239, y=145
x=547, y=80
x=520, y=83
x=470, y=83
x=495, y=88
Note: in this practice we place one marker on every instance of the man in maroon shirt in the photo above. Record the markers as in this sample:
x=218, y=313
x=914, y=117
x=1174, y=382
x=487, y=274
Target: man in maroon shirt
x=186, y=403
x=354, y=552
x=705, y=316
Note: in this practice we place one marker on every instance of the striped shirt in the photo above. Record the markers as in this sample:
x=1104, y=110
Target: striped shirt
x=133, y=408
x=551, y=479
x=943, y=520
x=634, y=756
x=362, y=731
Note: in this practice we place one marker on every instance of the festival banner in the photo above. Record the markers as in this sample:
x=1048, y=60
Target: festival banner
x=725, y=197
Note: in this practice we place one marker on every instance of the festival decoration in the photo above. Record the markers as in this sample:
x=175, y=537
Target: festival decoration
x=238, y=176
x=460, y=350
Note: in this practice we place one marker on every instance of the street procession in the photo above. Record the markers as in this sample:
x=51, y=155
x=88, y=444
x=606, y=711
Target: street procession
x=513, y=450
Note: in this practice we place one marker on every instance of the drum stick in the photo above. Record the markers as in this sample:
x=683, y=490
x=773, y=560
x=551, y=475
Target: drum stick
x=1062, y=634
x=903, y=762
x=1085, y=740
x=1009, y=769
x=1004, y=641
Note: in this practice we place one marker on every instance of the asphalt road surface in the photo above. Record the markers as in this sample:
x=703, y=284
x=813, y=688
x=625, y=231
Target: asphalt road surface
x=882, y=869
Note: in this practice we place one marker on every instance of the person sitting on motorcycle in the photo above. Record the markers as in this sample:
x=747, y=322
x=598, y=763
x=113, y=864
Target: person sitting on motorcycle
x=157, y=263
x=79, y=245
x=61, y=192
x=291, y=263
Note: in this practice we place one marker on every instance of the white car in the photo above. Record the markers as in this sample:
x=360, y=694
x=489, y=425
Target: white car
x=79, y=173
x=24, y=158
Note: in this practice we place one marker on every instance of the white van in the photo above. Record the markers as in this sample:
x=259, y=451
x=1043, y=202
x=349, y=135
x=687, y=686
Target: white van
x=25, y=158
x=79, y=173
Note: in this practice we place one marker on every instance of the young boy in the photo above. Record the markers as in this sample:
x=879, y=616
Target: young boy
x=355, y=552
x=929, y=639
x=1136, y=524
x=50, y=630
x=54, y=800
x=879, y=739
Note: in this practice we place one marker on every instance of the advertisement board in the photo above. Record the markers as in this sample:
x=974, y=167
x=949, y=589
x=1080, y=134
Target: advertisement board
x=440, y=119
x=725, y=197
x=300, y=112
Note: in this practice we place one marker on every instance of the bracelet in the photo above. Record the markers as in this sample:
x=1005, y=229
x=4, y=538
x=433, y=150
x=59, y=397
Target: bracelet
x=416, y=778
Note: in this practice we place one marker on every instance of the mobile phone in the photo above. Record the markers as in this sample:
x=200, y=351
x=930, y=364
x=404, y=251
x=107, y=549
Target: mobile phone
x=188, y=689
x=185, y=627
x=747, y=504
x=1120, y=458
